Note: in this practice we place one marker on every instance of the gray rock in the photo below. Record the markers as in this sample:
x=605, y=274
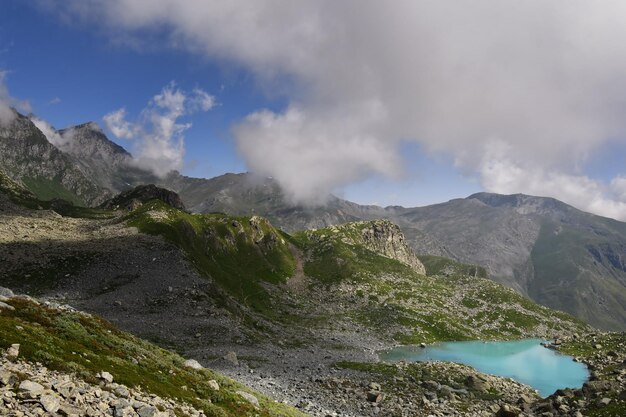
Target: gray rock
x=14, y=351
x=147, y=411
x=213, y=385
x=374, y=396
x=7, y=378
x=105, y=376
x=122, y=391
x=507, y=410
x=50, y=403
x=476, y=384
x=193, y=364
x=6, y=292
x=231, y=357
x=6, y=306
x=374, y=386
x=604, y=402
x=30, y=388
x=249, y=397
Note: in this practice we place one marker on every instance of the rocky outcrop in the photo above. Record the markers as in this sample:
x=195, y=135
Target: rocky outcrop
x=132, y=199
x=380, y=236
x=386, y=238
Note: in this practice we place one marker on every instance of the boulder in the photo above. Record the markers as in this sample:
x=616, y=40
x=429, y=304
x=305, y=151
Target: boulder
x=7, y=378
x=5, y=306
x=6, y=292
x=13, y=351
x=475, y=383
x=105, y=376
x=50, y=403
x=374, y=396
x=30, y=389
x=507, y=410
x=249, y=397
x=213, y=385
x=231, y=357
x=193, y=364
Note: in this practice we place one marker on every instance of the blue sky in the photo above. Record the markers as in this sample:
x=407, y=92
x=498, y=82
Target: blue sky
x=369, y=109
x=71, y=75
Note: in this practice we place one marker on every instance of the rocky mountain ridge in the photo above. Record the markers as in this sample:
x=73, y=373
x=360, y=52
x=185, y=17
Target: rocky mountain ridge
x=543, y=248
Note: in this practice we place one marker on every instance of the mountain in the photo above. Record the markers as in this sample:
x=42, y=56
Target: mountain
x=27, y=156
x=299, y=316
x=106, y=163
x=557, y=255
x=554, y=253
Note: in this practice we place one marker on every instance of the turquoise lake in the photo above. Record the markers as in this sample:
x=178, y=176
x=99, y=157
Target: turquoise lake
x=525, y=361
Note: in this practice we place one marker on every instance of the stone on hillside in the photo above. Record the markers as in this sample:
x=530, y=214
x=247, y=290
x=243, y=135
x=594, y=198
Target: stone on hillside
x=213, y=385
x=508, y=411
x=50, y=403
x=374, y=386
x=374, y=396
x=105, y=376
x=6, y=292
x=524, y=399
x=13, y=351
x=249, y=397
x=6, y=306
x=7, y=378
x=30, y=389
x=477, y=384
x=232, y=358
x=431, y=385
x=147, y=411
x=122, y=391
x=193, y=364
x=604, y=402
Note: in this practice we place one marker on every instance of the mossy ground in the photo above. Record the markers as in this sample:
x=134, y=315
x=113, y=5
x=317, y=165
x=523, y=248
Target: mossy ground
x=85, y=345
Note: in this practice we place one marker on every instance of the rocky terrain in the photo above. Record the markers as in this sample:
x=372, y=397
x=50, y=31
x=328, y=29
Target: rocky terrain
x=558, y=256
x=298, y=317
x=60, y=361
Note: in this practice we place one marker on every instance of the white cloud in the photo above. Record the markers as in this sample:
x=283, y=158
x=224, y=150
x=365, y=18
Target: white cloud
x=159, y=138
x=51, y=133
x=500, y=173
x=8, y=103
x=117, y=124
x=546, y=78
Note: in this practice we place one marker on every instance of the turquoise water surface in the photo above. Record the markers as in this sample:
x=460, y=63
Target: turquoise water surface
x=525, y=361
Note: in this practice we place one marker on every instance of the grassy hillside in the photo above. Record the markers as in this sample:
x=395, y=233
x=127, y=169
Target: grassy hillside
x=239, y=253
x=590, y=265
x=453, y=302
x=85, y=345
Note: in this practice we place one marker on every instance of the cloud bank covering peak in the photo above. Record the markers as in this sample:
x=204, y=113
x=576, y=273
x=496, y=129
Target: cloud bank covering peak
x=158, y=136
x=521, y=94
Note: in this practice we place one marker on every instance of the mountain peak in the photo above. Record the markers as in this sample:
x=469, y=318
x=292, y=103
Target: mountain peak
x=523, y=203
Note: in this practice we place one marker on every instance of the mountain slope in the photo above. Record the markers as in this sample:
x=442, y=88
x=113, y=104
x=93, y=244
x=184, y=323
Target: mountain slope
x=27, y=156
x=516, y=238
x=74, y=342
x=296, y=308
x=106, y=163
